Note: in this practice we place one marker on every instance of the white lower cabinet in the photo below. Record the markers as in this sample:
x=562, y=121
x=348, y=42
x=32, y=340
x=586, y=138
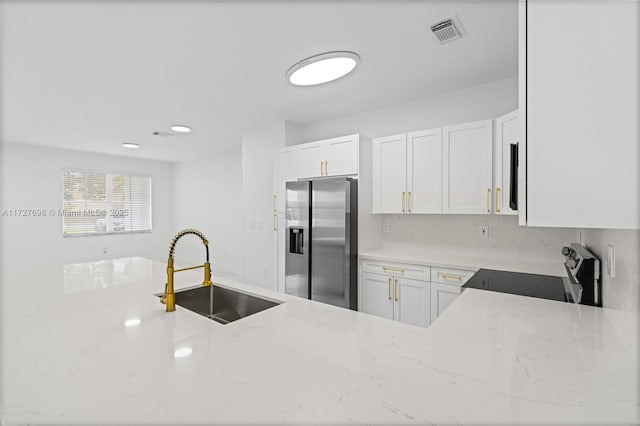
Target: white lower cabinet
x=395, y=297
x=442, y=295
x=411, y=294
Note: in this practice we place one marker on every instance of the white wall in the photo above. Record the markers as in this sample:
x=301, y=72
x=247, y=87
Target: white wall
x=258, y=236
x=208, y=197
x=469, y=104
x=623, y=291
x=32, y=178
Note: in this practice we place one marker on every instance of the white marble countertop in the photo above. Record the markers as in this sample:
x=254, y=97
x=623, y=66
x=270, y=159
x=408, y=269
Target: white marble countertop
x=489, y=358
x=467, y=261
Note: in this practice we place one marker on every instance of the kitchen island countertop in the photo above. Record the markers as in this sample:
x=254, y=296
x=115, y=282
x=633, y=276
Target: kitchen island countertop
x=90, y=343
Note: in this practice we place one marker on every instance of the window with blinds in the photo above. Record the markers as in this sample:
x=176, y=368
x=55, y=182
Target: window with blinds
x=99, y=203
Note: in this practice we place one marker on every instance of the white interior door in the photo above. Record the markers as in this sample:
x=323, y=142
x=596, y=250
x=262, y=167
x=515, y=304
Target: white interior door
x=507, y=133
x=390, y=174
x=424, y=171
x=467, y=168
x=411, y=299
x=377, y=295
x=311, y=160
x=342, y=156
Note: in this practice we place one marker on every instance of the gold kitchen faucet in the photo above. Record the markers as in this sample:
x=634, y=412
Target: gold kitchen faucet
x=169, y=298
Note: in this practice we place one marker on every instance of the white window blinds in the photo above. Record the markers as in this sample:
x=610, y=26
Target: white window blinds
x=97, y=203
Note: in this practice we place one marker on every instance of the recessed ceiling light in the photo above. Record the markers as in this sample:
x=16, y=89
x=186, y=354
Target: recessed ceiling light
x=322, y=68
x=130, y=145
x=179, y=128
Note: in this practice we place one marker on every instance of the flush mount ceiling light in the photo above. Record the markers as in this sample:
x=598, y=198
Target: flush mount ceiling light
x=130, y=145
x=179, y=128
x=322, y=68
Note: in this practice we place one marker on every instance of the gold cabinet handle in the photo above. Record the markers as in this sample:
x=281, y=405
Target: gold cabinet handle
x=389, y=268
x=403, y=202
x=452, y=277
x=497, y=200
x=326, y=168
x=275, y=222
x=321, y=170
x=488, y=200
x=389, y=289
x=409, y=201
x=395, y=290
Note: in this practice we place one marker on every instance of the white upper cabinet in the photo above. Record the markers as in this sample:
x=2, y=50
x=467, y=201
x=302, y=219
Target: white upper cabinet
x=341, y=156
x=579, y=96
x=468, y=168
x=424, y=171
x=311, y=159
x=286, y=170
x=331, y=157
x=389, y=174
x=505, y=163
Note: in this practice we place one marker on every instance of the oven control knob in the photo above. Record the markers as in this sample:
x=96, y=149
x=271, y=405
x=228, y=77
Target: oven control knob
x=565, y=251
x=572, y=263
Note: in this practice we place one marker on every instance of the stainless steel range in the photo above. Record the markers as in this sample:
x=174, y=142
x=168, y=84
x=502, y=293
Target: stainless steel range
x=583, y=280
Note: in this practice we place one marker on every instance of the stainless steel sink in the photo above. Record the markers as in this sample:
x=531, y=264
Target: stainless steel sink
x=221, y=304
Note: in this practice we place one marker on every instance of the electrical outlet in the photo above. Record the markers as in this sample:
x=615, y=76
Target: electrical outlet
x=385, y=228
x=611, y=261
x=484, y=231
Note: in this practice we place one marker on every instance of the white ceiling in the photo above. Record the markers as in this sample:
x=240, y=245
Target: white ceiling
x=89, y=76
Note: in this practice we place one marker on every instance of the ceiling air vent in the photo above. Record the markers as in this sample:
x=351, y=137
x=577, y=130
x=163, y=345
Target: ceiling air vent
x=448, y=30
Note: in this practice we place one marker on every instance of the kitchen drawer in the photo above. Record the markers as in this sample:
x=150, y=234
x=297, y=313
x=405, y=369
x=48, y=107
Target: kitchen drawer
x=450, y=276
x=395, y=269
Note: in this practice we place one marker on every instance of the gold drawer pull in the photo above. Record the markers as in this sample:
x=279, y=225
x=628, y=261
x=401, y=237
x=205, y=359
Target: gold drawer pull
x=389, y=288
x=497, y=200
x=321, y=168
x=326, y=168
x=389, y=268
x=452, y=277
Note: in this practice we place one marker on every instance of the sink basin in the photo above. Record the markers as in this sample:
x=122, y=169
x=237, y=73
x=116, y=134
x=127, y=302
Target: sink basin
x=221, y=304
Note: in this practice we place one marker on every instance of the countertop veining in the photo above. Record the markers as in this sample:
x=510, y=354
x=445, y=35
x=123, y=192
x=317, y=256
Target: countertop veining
x=69, y=357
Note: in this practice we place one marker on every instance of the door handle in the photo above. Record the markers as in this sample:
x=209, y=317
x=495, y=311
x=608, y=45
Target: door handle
x=403, y=202
x=389, y=289
x=395, y=289
x=488, y=200
x=497, y=200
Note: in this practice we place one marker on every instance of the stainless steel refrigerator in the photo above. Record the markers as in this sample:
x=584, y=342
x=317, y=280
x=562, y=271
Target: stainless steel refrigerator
x=322, y=240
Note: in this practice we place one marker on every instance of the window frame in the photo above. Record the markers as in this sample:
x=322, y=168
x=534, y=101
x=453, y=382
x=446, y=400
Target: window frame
x=109, y=197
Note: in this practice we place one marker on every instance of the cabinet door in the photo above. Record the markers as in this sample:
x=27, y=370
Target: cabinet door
x=582, y=109
x=311, y=159
x=442, y=295
x=342, y=156
x=411, y=299
x=389, y=174
x=467, y=168
x=507, y=134
x=424, y=171
x=286, y=169
x=377, y=295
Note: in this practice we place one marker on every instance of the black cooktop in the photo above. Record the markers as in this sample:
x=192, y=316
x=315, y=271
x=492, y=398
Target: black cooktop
x=533, y=285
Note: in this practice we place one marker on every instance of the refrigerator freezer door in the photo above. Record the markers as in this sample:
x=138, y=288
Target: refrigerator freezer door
x=331, y=241
x=297, y=247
